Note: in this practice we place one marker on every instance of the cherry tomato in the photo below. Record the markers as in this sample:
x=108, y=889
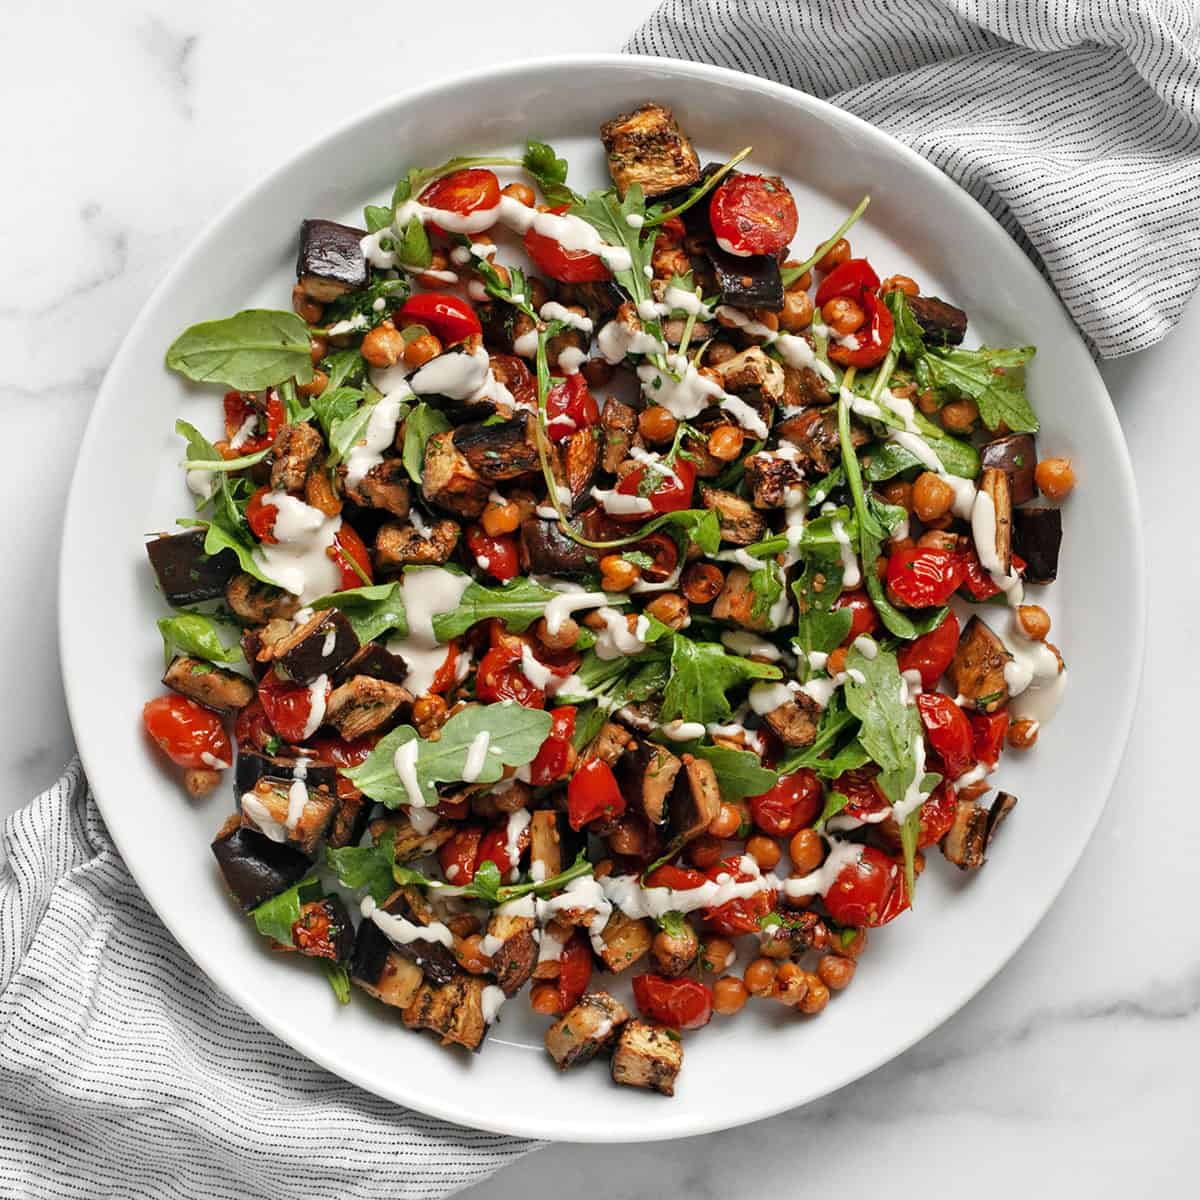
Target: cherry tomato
x=593, y=793
x=459, y=855
x=752, y=214
x=873, y=340
x=681, y=1003
x=663, y=553
x=343, y=753
x=554, y=758
x=937, y=815
x=863, y=792
x=189, y=734
x=948, y=731
x=261, y=517
x=897, y=902
x=862, y=894
x=863, y=617
x=495, y=848
x=671, y=492
x=976, y=582
x=574, y=970
x=742, y=915
x=239, y=408
x=252, y=730
x=495, y=555
x=448, y=318
x=921, y=576
x=463, y=192
x=988, y=731
x=348, y=547
x=679, y=879
x=570, y=406
x=500, y=678
x=567, y=266
x=852, y=279
x=453, y=810
x=931, y=653
x=288, y=705
x=793, y=803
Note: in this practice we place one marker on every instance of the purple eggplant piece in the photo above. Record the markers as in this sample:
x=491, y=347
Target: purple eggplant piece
x=1037, y=538
x=1016, y=455
x=185, y=573
x=256, y=868
x=331, y=261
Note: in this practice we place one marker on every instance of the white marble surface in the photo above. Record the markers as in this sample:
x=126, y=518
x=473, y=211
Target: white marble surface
x=128, y=124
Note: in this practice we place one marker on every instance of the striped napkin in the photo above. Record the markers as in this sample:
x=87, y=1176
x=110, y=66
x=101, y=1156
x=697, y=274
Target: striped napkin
x=1076, y=123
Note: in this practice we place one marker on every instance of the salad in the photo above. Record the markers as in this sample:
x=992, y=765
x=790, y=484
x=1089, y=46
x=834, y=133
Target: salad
x=583, y=586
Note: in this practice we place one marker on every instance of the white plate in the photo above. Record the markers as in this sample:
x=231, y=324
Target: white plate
x=918, y=971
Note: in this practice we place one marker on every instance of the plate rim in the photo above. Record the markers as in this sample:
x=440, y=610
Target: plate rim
x=77, y=701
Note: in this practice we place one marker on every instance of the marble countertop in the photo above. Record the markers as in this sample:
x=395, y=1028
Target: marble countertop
x=1074, y=1071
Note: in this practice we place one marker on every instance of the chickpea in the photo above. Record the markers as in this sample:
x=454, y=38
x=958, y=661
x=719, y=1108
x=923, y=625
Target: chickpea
x=1055, y=478
x=719, y=352
x=797, y=313
x=938, y=539
x=315, y=386
x=429, y=713
x=702, y=582
x=704, y=852
x=656, y=425
x=816, y=996
x=729, y=995
x=543, y=998
x=848, y=949
x=837, y=254
x=897, y=492
x=305, y=307
x=520, y=192
x=765, y=851
x=499, y=519
x=931, y=496
x=716, y=954
x=383, y=346
x=726, y=823
x=318, y=347
x=566, y=636
x=802, y=282
x=900, y=283
x=470, y=956
x=597, y=372
x=927, y=402
x=670, y=608
x=199, y=781
x=421, y=349
x=776, y=947
x=618, y=574
x=725, y=442
x=959, y=416
x=1022, y=735
x=629, y=837
x=806, y=850
x=843, y=315
x=836, y=972
x=759, y=977
x=437, y=262
x=766, y=316
x=674, y=953
x=1034, y=621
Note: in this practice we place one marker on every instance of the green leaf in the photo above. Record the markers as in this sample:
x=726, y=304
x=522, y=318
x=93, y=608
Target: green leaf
x=673, y=924
x=515, y=735
x=609, y=215
x=413, y=248
x=889, y=726
x=835, y=721
x=367, y=867
x=376, y=217
x=339, y=979
x=909, y=335
x=345, y=368
x=336, y=405
x=199, y=448
x=420, y=425
x=589, y=720
x=371, y=611
x=885, y=460
x=834, y=803
x=517, y=603
x=196, y=634
x=740, y=773
x=255, y=349
x=984, y=375
x=363, y=306
x=345, y=432
x=550, y=171
x=219, y=537
x=702, y=675
x=274, y=918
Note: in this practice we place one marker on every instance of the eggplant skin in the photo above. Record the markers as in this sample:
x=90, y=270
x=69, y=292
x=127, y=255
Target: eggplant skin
x=1037, y=538
x=331, y=261
x=546, y=550
x=1016, y=455
x=185, y=573
x=256, y=868
x=253, y=766
x=753, y=281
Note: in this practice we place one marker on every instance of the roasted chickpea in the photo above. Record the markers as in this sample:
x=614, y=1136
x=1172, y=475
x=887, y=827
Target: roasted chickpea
x=563, y=638
x=791, y=984
x=1034, y=621
x=852, y=947
x=797, y=312
x=837, y=254
x=673, y=953
x=836, y=972
x=725, y=442
x=729, y=995
x=438, y=262
x=1055, y=478
x=618, y=574
x=702, y=582
x=318, y=347
x=315, y=386
x=383, y=346
x=521, y=192
x=629, y=837
x=670, y=608
x=836, y=663
x=421, y=349
x=498, y=519
x=816, y=996
x=305, y=307
x=959, y=416
x=463, y=925
x=319, y=492
x=759, y=977
x=899, y=283
x=927, y=402
x=716, y=954
x=766, y=316
x=806, y=850
x=765, y=851
x=802, y=282
x=470, y=957
x=938, y=539
x=718, y=352
x=843, y=315
x=429, y=713
x=199, y=781
x=543, y=998
x=726, y=823
x=932, y=496
x=656, y=425
x=1022, y=734
x=897, y=492
x=704, y=852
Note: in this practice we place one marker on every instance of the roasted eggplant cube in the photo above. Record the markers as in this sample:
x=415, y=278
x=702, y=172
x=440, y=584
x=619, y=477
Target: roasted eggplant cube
x=331, y=262
x=399, y=546
x=647, y=147
x=580, y=458
x=943, y=324
x=695, y=799
x=740, y=524
x=497, y=319
x=553, y=842
x=266, y=805
x=546, y=550
x=257, y=602
x=362, y=704
x=500, y=451
x=213, y=686
x=380, y=971
x=753, y=281
x=435, y=959
x=1016, y=455
x=351, y=819
x=795, y=723
x=324, y=930
x=1037, y=537
x=253, y=766
x=256, y=868
x=976, y=672
x=647, y=1056
x=625, y=940
x=965, y=845
x=375, y=660
x=618, y=425
x=409, y=844
x=325, y=642
x=449, y=481
x=646, y=774
x=591, y=1026
x=185, y=573
x=771, y=478
x=511, y=947
x=453, y=1010
x=293, y=453
x=384, y=487
x=599, y=299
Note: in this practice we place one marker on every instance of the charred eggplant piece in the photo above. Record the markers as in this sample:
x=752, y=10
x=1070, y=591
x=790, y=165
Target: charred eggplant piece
x=331, y=262
x=803, y=387
x=351, y=818
x=449, y=481
x=815, y=435
x=647, y=1056
x=210, y=685
x=1037, y=536
x=266, y=807
x=185, y=573
x=325, y=642
x=546, y=550
x=454, y=1010
x=618, y=423
x=553, y=842
x=752, y=374
x=1016, y=455
x=610, y=743
x=253, y=766
x=324, y=930
x=753, y=281
x=591, y=1026
x=943, y=324
x=380, y=971
x=362, y=704
x=624, y=941
x=977, y=670
x=295, y=450
x=434, y=958
x=256, y=868
x=795, y=723
x=408, y=844
x=695, y=799
x=740, y=524
x=374, y=660
x=511, y=946
x=600, y=299
x=648, y=772
x=497, y=321
x=580, y=460
x=500, y=451
x=647, y=147
x=994, y=485
x=771, y=477
x=384, y=487
x=399, y=546
x=257, y=602
x=966, y=843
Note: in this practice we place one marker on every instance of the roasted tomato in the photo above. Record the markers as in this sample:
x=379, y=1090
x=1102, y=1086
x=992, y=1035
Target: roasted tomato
x=517, y=377
x=495, y=555
x=252, y=425
x=869, y=344
x=553, y=760
x=450, y=319
x=853, y=279
x=988, y=731
x=348, y=552
x=500, y=676
x=663, y=554
x=567, y=266
x=860, y=788
x=948, y=731
x=864, y=892
x=922, y=576
x=793, y=803
x=593, y=793
x=252, y=730
x=679, y=879
x=931, y=653
x=680, y=1003
x=459, y=855
x=570, y=406
x=667, y=492
x=495, y=847
x=741, y=915
x=937, y=815
x=574, y=970
x=261, y=517
x=189, y=734
x=446, y=676
x=752, y=214
x=463, y=193
x=288, y=705
x=863, y=617
x=343, y=753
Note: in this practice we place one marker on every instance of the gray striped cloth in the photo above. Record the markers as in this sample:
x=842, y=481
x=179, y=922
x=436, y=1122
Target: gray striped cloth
x=1076, y=123
x=124, y=1073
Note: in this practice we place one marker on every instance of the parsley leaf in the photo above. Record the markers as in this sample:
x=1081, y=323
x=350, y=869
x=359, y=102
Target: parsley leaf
x=702, y=674
x=367, y=867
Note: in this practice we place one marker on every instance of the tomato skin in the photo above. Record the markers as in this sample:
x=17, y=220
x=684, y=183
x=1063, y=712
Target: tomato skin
x=863, y=617
x=670, y=495
x=742, y=915
x=499, y=553
x=462, y=192
x=574, y=970
x=680, y=879
x=252, y=730
x=988, y=731
x=592, y=793
x=516, y=376
x=287, y=705
x=343, y=753
x=348, y=546
x=793, y=803
x=446, y=676
x=450, y=319
x=948, y=731
x=500, y=678
x=681, y=1003
x=921, y=576
x=567, y=266
x=874, y=338
x=494, y=848
x=852, y=279
x=976, y=582
x=862, y=894
x=937, y=816
x=863, y=792
x=239, y=408
x=570, y=407
x=186, y=731
x=261, y=517
x=752, y=214
x=458, y=856
x=554, y=758
x=931, y=653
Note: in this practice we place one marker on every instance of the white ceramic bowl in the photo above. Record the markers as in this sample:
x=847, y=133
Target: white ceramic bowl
x=916, y=972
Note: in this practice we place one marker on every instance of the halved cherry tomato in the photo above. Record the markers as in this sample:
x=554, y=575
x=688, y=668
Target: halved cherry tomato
x=864, y=891
x=898, y=900
x=793, y=803
x=977, y=582
x=679, y=879
x=742, y=915
x=570, y=406
x=500, y=677
x=681, y=1003
x=567, y=266
x=495, y=848
x=931, y=653
x=752, y=214
x=922, y=576
x=948, y=731
x=189, y=734
x=593, y=793
x=852, y=279
x=446, y=676
x=574, y=970
x=988, y=731
x=459, y=855
x=553, y=759
x=348, y=546
x=239, y=408
x=863, y=617
x=448, y=318
x=343, y=753
x=288, y=705
x=671, y=492
x=663, y=553
x=252, y=730
x=873, y=339
x=261, y=517
x=937, y=815
x=495, y=555
x=860, y=788
x=463, y=192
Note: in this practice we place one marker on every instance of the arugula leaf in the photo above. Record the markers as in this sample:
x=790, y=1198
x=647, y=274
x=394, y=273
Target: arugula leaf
x=220, y=537
x=517, y=603
x=983, y=375
x=367, y=867
x=889, y=726
x=608, y=216
x=336, y=405
x=199, y=448
x=657, y=215
x=274, y=918
x=345, y=368
x=376, y=217
x=834, y=803
x=849, y=758
x=885, y=460
x=254, y=349
x=550, y=171
x=339, y=979
x=196, y=634
x=371, y=611
x=589, y=720
x=739, y=772
x=414, y=182
x=702, y=673
x=909, y=335
x=420, y=425
x=835, y=720
x=345, y=432
x=822, y=627
x=515, y=736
